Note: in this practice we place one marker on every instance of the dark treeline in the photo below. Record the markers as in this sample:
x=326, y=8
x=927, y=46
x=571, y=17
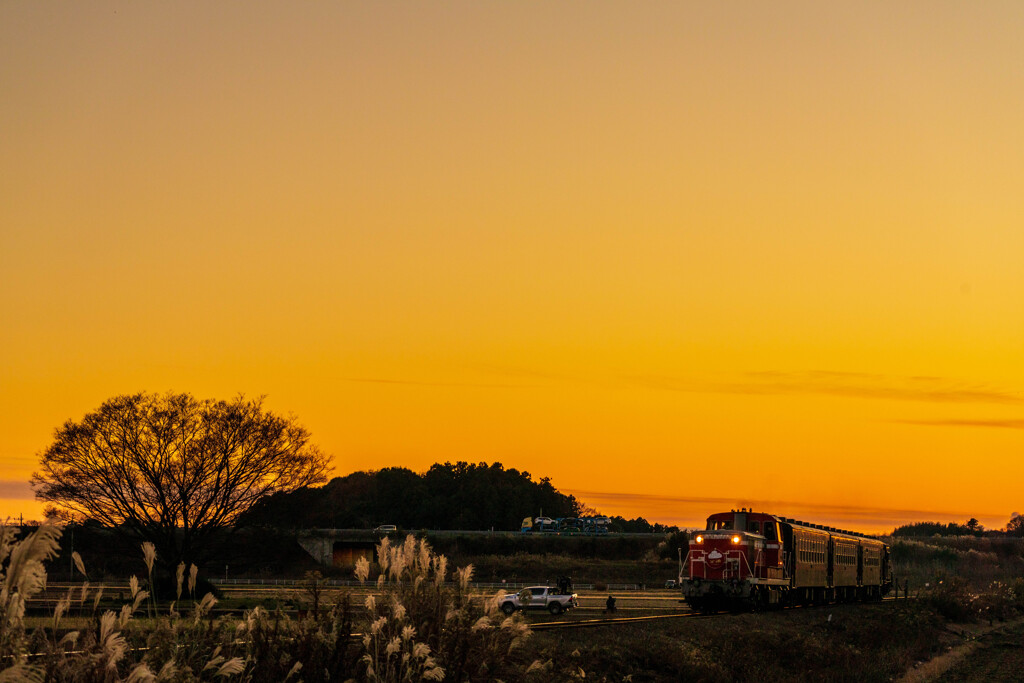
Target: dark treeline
x=936, y=529
x=448, y=496
x=1015, y=527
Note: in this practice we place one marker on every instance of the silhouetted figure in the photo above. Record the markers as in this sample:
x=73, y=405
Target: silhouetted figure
x=609, y=605
x=564, y=585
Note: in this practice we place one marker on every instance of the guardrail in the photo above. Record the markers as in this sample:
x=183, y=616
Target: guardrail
x=479, y=585
x=509, y=586
x=455, y=533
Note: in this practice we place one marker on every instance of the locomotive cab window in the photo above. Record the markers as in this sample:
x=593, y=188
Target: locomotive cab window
x=713, y=526
x=769, y=531
x=754, y=527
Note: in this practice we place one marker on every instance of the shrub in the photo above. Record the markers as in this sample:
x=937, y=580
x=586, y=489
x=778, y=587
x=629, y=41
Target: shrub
x=953, y=599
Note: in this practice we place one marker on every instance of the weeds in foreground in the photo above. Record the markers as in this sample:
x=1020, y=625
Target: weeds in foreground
x=956, y=600
x=421, y=627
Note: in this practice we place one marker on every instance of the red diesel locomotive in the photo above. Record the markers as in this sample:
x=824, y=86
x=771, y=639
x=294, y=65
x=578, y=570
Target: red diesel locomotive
x=753, y=559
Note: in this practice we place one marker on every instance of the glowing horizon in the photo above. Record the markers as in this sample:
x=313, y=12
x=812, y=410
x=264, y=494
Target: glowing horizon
x=690, y=512
x=689, y=251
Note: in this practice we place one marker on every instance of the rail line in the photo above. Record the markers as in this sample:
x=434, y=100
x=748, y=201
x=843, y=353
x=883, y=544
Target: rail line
x=611, y=621
x=591, y=623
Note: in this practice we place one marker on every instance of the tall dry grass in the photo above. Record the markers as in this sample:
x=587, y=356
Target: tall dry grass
x=421, y=626
x=425, y=628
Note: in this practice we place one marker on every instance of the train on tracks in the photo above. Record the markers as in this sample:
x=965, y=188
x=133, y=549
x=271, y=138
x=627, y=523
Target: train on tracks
x=747, y=559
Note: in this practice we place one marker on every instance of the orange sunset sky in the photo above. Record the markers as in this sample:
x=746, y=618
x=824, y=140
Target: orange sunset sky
x=678, y=257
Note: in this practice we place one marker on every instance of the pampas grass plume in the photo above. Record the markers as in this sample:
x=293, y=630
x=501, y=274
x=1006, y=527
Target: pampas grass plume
x=180, y=576
x=149, y=555
x=79, y=565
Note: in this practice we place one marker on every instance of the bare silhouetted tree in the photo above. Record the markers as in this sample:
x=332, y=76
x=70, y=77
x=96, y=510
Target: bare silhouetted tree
x=174, y=470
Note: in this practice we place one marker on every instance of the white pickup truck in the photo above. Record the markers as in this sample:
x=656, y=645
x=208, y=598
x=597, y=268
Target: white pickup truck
x=537, y=598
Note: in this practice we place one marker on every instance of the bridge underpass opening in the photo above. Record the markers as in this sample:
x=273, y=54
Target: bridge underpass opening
x=345, y=553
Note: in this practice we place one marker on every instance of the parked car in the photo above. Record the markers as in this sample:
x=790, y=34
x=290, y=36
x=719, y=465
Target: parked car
x=386, y=528
x=539, y=598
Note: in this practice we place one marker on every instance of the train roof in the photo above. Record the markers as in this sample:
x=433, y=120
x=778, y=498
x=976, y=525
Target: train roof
x=823, y=527
x=792, y=522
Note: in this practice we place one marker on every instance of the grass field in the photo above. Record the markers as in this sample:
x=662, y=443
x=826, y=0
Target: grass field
x=415, y=617
x=875, y=642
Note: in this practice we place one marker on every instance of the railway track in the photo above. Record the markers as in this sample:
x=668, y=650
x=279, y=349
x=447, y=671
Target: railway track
x=633, y=606
x=609, y=621
x=689, y=614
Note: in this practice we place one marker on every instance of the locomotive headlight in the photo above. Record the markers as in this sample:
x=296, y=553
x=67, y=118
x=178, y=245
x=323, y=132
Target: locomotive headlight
x=699, y=539
x=735, y=539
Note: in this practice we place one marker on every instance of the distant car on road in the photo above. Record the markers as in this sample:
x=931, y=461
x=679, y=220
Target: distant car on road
x=386, y=528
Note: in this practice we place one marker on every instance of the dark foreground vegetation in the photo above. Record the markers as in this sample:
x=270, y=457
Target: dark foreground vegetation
x=861, y=642
x=419, y=618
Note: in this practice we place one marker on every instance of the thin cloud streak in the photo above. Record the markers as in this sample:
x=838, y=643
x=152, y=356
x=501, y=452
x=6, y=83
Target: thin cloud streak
x=530, y=373
x=844, y=384
x=692, y=511
x=998, y=424
x=406, y=382
x=16, y=489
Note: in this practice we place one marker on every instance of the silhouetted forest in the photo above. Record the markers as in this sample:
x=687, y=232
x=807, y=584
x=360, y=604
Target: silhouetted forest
x=937, y=529
x=448, y=496
x=1015, y=527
